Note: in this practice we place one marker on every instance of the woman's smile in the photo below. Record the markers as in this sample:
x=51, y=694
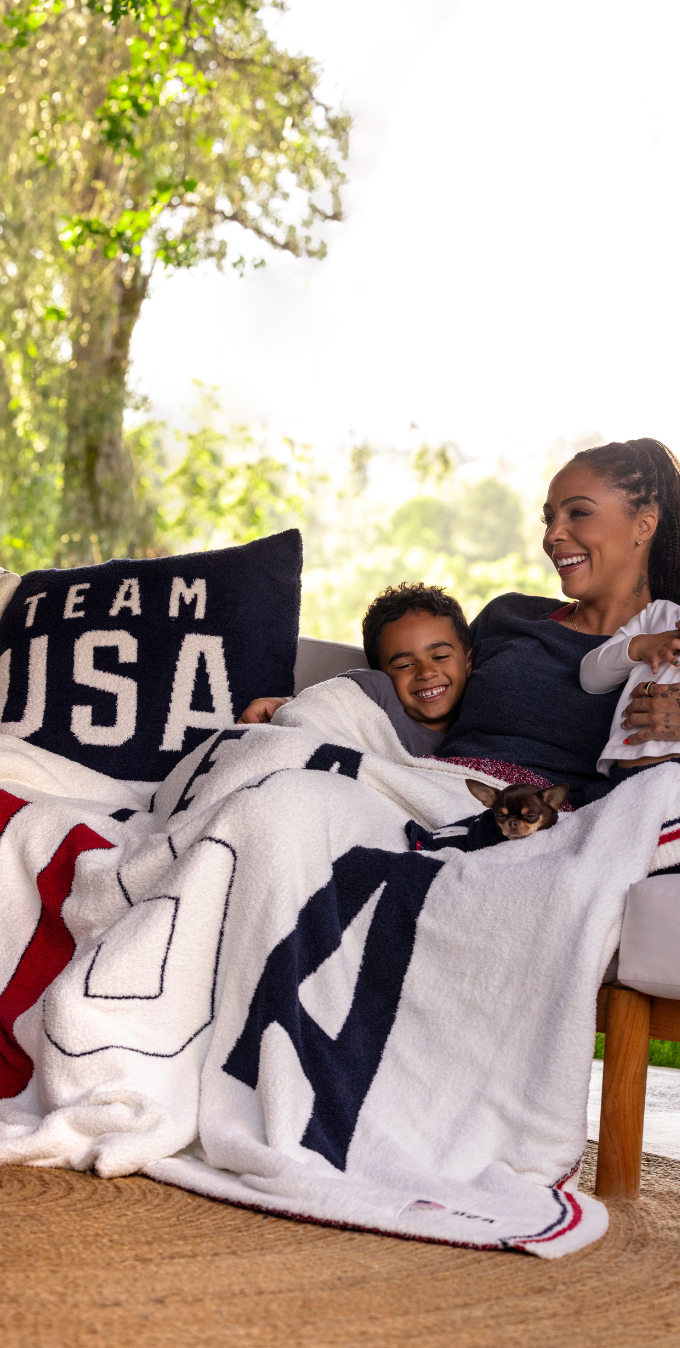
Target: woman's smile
x=568, y=563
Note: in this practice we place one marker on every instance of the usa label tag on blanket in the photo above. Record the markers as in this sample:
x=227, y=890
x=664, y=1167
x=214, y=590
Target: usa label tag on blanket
x=429, y=1205
x=421, y=1205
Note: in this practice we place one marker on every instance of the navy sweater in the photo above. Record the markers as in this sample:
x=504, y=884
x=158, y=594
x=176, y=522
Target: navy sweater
x=524, y=703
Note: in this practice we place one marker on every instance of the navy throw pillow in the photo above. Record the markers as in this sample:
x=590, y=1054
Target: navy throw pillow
x=127, y=666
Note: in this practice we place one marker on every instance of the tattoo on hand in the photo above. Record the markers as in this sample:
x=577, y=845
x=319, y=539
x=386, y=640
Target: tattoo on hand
x=641, y=586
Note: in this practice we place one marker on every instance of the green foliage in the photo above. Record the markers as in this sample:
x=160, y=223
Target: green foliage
x=482, y=520
x=335, y=597
x=423, y=522
x=489, y=521
x=207, y=490
x=210, y=489
x=31, y=458
x=359, y=465
x=469, y=538
x=156, y=135
x=221, y=489
x=662, y=1052
x=224, y=489
x=185, y=108
x=436, y=463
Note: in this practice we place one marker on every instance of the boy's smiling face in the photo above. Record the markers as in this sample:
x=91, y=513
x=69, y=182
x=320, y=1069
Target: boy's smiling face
x=427, y=664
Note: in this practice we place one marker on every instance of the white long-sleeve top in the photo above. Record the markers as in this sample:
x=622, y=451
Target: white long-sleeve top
x=608, y=665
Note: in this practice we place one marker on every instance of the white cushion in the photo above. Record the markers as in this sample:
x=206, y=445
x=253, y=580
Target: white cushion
x=649, y=955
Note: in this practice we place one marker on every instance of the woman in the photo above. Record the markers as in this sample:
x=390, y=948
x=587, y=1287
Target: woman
x=612, y=530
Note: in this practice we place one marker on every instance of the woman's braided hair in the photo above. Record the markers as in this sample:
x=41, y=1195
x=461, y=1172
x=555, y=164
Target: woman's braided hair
x=649, y=474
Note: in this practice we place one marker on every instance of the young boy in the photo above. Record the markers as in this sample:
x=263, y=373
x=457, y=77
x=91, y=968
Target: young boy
x=418, y=646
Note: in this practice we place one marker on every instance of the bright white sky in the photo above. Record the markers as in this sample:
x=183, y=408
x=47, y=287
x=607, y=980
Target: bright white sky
x=509, y=270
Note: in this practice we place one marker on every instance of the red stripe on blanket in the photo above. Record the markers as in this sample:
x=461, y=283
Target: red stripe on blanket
x=47, y=953
x=560, y=1183
x=669, y=837
x=576, y=1218
x=9, y=806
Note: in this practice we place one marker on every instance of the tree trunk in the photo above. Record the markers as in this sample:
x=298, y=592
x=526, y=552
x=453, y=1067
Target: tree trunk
x=97, y=494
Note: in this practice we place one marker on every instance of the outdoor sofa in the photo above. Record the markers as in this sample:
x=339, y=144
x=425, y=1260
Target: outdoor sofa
x=639, y=999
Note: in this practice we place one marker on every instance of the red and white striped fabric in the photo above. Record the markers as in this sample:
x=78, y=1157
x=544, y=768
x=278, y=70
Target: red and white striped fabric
x=666, y=859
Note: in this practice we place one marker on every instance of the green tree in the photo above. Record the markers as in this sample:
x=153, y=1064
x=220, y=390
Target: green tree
x=489, y=521
x=470, y=538
x=423, y=522
x=160, y=142
x=436, y=463
x=482, y=521
x=223, y=490
x=220, y=489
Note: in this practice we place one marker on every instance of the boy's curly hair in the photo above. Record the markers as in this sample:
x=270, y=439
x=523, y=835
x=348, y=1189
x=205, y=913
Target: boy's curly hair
x=410, y=597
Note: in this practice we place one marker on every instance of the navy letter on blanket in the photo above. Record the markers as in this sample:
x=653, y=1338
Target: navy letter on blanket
x=340, y=1070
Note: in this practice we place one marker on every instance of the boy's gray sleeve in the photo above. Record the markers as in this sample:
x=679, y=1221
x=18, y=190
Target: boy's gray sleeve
x=376, y=685
x=416, y=738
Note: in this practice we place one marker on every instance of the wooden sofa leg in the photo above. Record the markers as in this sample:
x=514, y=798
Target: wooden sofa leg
x=624, y=1082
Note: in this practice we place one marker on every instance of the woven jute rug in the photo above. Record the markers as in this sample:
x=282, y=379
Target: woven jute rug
x=90, y=1263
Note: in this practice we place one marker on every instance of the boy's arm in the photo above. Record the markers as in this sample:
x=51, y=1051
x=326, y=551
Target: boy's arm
x=261, y=710
x=603, y=669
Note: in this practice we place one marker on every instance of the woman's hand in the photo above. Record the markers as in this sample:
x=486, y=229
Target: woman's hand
x=653, y=716
x=658, y=649
x=261, y=710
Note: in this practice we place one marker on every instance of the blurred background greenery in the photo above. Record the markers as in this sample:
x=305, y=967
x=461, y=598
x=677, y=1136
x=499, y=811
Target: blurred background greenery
x=141, y=137
x=370, y=516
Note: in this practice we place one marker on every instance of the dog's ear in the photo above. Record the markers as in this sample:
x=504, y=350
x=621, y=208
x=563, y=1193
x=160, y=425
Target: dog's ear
x=487, y=794
x=555, y=795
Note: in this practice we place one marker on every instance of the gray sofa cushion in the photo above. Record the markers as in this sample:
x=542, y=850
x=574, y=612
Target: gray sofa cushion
x=319, y=660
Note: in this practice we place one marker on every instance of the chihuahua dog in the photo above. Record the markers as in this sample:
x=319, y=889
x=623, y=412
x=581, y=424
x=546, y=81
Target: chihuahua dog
x=521, y=810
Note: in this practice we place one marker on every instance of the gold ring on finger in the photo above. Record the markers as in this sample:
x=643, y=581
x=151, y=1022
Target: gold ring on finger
x=646, y=688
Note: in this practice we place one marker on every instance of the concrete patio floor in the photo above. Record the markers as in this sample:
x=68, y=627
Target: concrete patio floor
x=661, y=1135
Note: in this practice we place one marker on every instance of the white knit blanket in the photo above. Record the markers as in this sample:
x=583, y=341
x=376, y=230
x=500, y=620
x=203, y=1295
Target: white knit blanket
x=256, y=991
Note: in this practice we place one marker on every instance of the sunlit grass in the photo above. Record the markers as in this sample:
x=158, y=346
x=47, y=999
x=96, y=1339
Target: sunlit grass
x=662, y=1052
